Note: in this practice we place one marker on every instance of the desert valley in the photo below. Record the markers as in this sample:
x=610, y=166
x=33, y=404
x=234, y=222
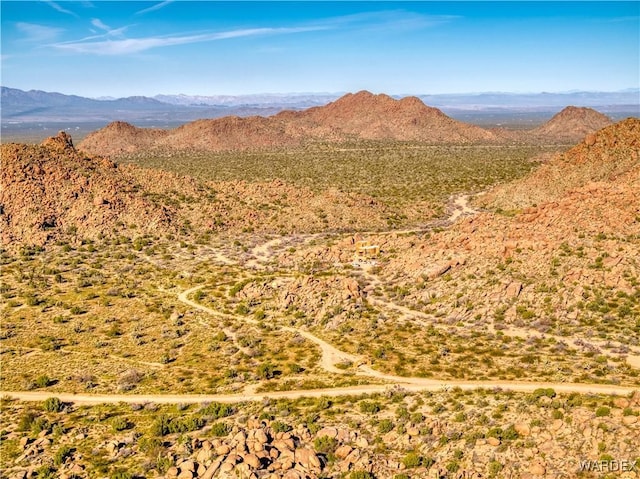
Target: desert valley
x=363, y=289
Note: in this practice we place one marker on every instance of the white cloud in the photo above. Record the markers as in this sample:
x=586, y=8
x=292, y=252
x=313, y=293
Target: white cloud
x=137, y=45
x=96, y=22
x=60, y=9
x=34, y=32
x=155, y=7
x=388, y=19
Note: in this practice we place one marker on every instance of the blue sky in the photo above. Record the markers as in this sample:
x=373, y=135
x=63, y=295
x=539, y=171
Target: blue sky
x=97, y=48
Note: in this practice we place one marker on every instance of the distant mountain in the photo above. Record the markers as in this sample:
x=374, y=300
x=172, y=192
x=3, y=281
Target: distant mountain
x=40, y=106
x=280, y=100
x=572, y=124
x=354, y=116
x=496, y=101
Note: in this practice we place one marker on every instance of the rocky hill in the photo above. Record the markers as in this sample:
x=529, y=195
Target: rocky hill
x=53, y=191
x=571, y=125
x=604, y=156
x=354, y=116
x=570, y=226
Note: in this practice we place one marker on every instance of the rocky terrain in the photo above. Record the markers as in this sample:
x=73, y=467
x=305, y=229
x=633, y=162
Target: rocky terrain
x=499, y=339
x=571, y=125
x=396, y=435
x=54, y=191
x=359, y=116
x=354, y=116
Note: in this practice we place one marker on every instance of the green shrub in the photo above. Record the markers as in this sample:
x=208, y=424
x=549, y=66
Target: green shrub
x=43, y=381
x=540, y=392
x=385, y=426
x=45, y=472
x=120, y=474
x=369, y=407
x=220, y=429
x=26, y=420
x=453, y=466
x=217, y=410
x=325, y=444
x=412, y=460
x=266, y=371
x=62, y=454
x=494, y=467
x=602, y=411
x=279, y=426
x=361, y=475
x=40, y=424
x=120, y=424
x=53, y=404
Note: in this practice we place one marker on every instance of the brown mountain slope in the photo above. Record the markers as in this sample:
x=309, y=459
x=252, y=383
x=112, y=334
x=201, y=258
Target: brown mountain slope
x=52, y=189
x=602, y=156
x=375, y=117
x=571, y=125
x=549, y=266
x=354, y=116
x=52, y=192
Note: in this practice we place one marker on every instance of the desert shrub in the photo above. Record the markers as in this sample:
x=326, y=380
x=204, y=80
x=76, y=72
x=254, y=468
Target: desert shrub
x=217, y=410
x=361, y=475
x=53, y=404
x=45, y=472
x=120, y=424
x=129, y=379
x=385, y=426
x=26, y=420
x=40, y=424
x=266, y=371
x=62, y=454
x=325, y=444
x=279, y=426
x=242, y=309
x=602, y=411
x=494, y=467
x=369, y=407
x=294, y=368
x=540, y=392
x=43, y=381
x=120, y=474
x=510, y=433
x=412, y=460
x=220, y=429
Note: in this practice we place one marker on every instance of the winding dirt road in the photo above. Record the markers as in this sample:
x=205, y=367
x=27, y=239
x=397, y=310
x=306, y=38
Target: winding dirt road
x=330, y=356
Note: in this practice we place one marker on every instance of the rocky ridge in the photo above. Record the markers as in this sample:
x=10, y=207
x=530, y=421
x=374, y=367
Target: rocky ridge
x=362, y=116
x=577, y=236
x=54, y=191
x=263, y=448
x=572, y=124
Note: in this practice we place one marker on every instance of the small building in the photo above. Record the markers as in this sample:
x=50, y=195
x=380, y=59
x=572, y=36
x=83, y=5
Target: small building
x=366, y=250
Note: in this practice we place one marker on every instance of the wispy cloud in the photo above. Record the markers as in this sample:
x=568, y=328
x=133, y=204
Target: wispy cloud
x=129, y=46
x=96, y=22
x=387, y=20
x=60, y=9
x=34, y=32
x=155, y=7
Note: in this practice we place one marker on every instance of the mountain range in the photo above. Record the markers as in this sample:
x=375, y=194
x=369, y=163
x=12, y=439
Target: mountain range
x=359, y=116
x=39, y=106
